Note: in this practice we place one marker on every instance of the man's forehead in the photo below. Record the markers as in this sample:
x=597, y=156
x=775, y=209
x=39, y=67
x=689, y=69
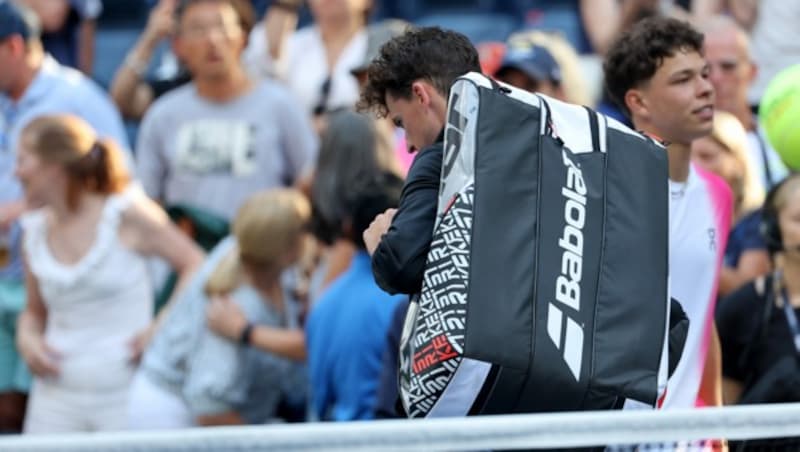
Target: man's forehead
x=682, y=60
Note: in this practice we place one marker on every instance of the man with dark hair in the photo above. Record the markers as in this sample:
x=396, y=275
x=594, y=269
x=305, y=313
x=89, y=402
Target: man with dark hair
x=213, y=142
x=409, y=82
x=657, y=74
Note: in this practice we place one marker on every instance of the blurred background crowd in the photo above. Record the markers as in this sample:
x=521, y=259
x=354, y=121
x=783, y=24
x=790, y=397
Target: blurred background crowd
x=192, y=250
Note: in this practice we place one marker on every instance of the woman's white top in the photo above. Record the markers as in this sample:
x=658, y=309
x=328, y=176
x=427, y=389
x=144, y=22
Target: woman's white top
x=96, y=306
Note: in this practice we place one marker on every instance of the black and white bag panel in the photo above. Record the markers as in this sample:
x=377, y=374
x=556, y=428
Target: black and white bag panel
x=436, y=379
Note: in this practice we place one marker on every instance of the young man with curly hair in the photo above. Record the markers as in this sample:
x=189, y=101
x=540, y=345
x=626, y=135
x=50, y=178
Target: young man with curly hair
x=409, y=82
x=657, y=74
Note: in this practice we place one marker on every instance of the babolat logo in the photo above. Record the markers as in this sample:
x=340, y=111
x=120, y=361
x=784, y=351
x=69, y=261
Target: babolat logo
x=568, y=283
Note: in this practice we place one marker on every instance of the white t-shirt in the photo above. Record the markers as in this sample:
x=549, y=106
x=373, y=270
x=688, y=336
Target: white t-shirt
x=304, y=66
x=700, y=217
x=699, y=221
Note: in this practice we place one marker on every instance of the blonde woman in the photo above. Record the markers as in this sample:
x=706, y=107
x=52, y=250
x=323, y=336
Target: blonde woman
x=724, y=152
x=190, y=376
x=88, y=291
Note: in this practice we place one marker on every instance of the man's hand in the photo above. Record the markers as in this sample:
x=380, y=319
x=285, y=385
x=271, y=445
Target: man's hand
x=376, y=230
x=161, y=23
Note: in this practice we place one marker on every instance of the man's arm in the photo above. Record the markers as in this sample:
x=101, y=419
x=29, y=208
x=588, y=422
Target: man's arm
x=398, y=262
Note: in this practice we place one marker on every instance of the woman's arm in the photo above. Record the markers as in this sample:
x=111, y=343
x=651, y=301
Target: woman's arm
x=151, y=233
x=752, y=264
x=42, y=360
x=227, y=320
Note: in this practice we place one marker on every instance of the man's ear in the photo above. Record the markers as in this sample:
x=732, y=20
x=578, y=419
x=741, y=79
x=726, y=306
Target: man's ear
x=753, y=72
x=17, y=45
x=637, y=103
x=419, y=93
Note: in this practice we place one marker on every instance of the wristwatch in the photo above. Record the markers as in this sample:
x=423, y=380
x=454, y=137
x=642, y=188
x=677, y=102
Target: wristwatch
x=245, y=337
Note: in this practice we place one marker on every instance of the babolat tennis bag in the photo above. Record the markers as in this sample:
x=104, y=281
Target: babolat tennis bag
x=545, y=286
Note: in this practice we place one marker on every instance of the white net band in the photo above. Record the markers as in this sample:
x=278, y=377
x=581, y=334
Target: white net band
x=538, y=431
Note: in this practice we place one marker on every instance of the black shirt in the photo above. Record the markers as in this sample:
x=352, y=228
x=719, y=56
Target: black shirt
x=399, y=260
x=740, y=323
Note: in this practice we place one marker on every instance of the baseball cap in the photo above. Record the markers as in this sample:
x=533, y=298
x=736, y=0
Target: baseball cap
x=535, y=61
x=16, y=19
x=377, y=35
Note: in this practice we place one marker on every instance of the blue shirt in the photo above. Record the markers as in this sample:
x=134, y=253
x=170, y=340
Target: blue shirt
x=745, y=236
x=346, y=338
x=55, y=89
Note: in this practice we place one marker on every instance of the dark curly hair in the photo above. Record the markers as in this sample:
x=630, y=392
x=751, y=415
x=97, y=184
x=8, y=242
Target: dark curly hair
x=428, y=53
x=638, y=53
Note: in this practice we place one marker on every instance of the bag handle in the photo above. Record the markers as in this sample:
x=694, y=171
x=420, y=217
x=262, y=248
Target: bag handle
x=594, y=125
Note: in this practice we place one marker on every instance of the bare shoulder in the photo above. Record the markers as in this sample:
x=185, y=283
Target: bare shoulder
x=141, y=221
x=143, y=212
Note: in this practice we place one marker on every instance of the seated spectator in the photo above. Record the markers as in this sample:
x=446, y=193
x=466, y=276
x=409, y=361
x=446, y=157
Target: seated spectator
x=68, y=28
x=724, y=153
x=88, y=292
x=759, y=357
x=32, y=84
x=347, y=328
x=191, y=376
x=531, y=68
x=224, y=136
x=573, y=80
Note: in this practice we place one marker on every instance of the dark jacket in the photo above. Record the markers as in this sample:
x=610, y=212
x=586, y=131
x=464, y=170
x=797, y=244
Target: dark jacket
x=399, y=260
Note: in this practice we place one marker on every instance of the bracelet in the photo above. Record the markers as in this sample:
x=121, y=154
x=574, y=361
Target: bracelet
x=244, y=338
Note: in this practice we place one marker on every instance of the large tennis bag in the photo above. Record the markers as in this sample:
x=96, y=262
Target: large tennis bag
x=545, y=286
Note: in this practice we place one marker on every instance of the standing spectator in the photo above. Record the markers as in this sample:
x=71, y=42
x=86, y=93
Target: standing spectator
x=68, y=30
x=727, y=49
x=31, y=84
x=191, y=376
x=88, y=292
x=319, y=58
x=215, y=141
x=657, y=74
x=134, y=89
